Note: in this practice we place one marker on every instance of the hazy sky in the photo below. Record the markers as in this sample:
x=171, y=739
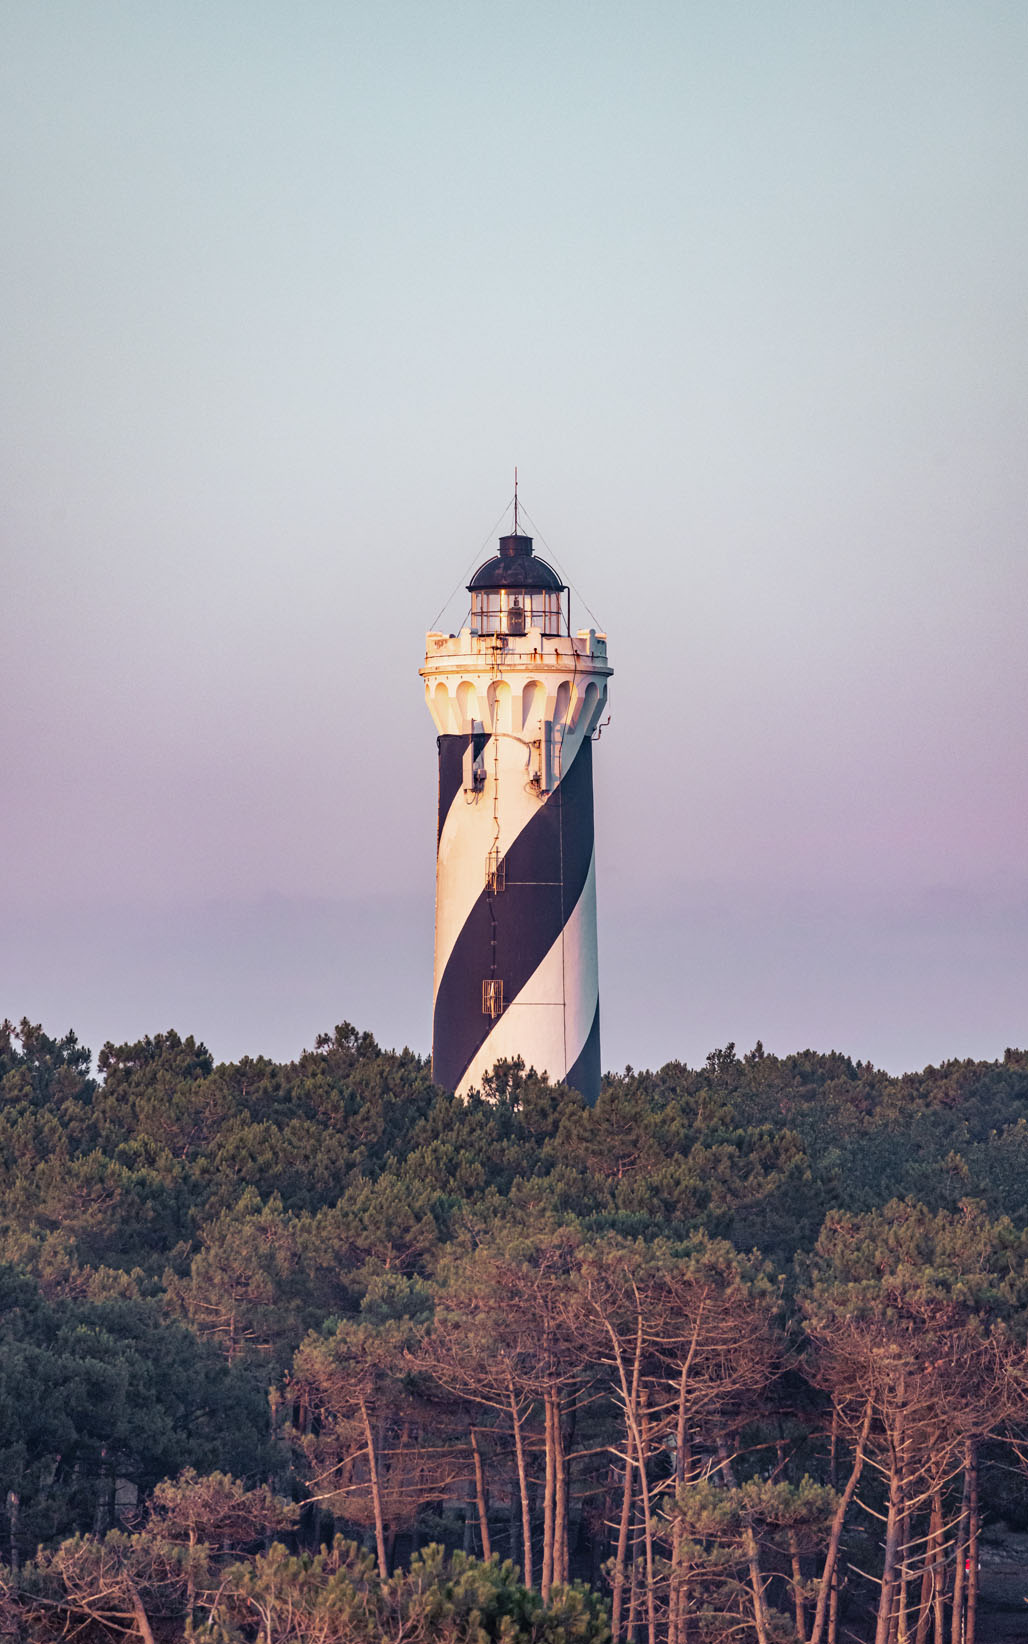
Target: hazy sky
x=287, y=290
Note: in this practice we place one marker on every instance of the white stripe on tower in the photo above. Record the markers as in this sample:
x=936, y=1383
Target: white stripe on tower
x=563, y=995
x=470, y=830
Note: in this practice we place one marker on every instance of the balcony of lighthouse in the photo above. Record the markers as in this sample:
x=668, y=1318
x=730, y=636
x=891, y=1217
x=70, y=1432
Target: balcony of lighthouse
x=474, y=679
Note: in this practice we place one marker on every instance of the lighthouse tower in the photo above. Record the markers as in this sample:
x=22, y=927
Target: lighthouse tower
x=516, y=699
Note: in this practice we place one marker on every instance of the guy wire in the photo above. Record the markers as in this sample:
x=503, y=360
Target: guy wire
x=537, y=533
x=472, y=563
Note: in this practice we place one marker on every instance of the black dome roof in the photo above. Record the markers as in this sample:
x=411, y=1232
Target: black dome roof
x=515, y=566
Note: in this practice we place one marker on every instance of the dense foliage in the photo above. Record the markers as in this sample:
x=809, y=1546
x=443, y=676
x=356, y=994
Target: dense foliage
x=739, y=1353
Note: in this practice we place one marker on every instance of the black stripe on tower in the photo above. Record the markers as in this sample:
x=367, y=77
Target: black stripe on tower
x=451, y=775
x=451, y=770
x=530, y=913
x=586, y=1074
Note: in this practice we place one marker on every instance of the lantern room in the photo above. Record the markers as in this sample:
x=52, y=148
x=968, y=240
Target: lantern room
x=515, y=592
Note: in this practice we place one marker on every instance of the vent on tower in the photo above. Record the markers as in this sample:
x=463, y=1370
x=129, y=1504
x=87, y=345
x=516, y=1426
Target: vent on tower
x=474, y=762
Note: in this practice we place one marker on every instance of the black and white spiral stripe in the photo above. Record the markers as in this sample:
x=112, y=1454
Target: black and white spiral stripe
x=537, y=936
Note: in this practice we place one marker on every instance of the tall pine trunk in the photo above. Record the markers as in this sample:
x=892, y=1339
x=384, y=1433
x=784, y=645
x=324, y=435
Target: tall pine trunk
x=621, y=1556
x=141, y=1617
x=939, y=1570
x=651, y=1589
x=829, y=1574
x=930, y=1575
x=629, y=1395
x=972, y=1541
x=903, y=1578
x=376, y=1493
x=526, y=1510
x=633, y=1580
x=560, y=1498
x=483, y=1507
x=893, y=1531
x=546, y=1583
x=960, y=1557
x=797, y=1588
x=677, y=1596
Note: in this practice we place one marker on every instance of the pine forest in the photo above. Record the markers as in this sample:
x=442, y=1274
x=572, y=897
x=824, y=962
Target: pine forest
x=317, y=1352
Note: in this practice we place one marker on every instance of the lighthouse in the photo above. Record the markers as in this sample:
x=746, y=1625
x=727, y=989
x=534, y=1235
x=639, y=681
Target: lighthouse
x=517, y=699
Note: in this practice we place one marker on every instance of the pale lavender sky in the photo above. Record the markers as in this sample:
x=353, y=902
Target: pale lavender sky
x=741, y=288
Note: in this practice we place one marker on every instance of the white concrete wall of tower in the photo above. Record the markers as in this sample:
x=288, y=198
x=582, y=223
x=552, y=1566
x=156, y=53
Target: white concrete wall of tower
x=516, y=878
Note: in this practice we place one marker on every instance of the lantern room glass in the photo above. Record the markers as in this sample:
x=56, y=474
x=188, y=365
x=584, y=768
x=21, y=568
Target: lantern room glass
x=515, y=610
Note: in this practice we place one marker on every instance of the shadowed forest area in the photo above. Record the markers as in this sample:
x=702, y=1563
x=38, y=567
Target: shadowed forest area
x=317, y=1352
